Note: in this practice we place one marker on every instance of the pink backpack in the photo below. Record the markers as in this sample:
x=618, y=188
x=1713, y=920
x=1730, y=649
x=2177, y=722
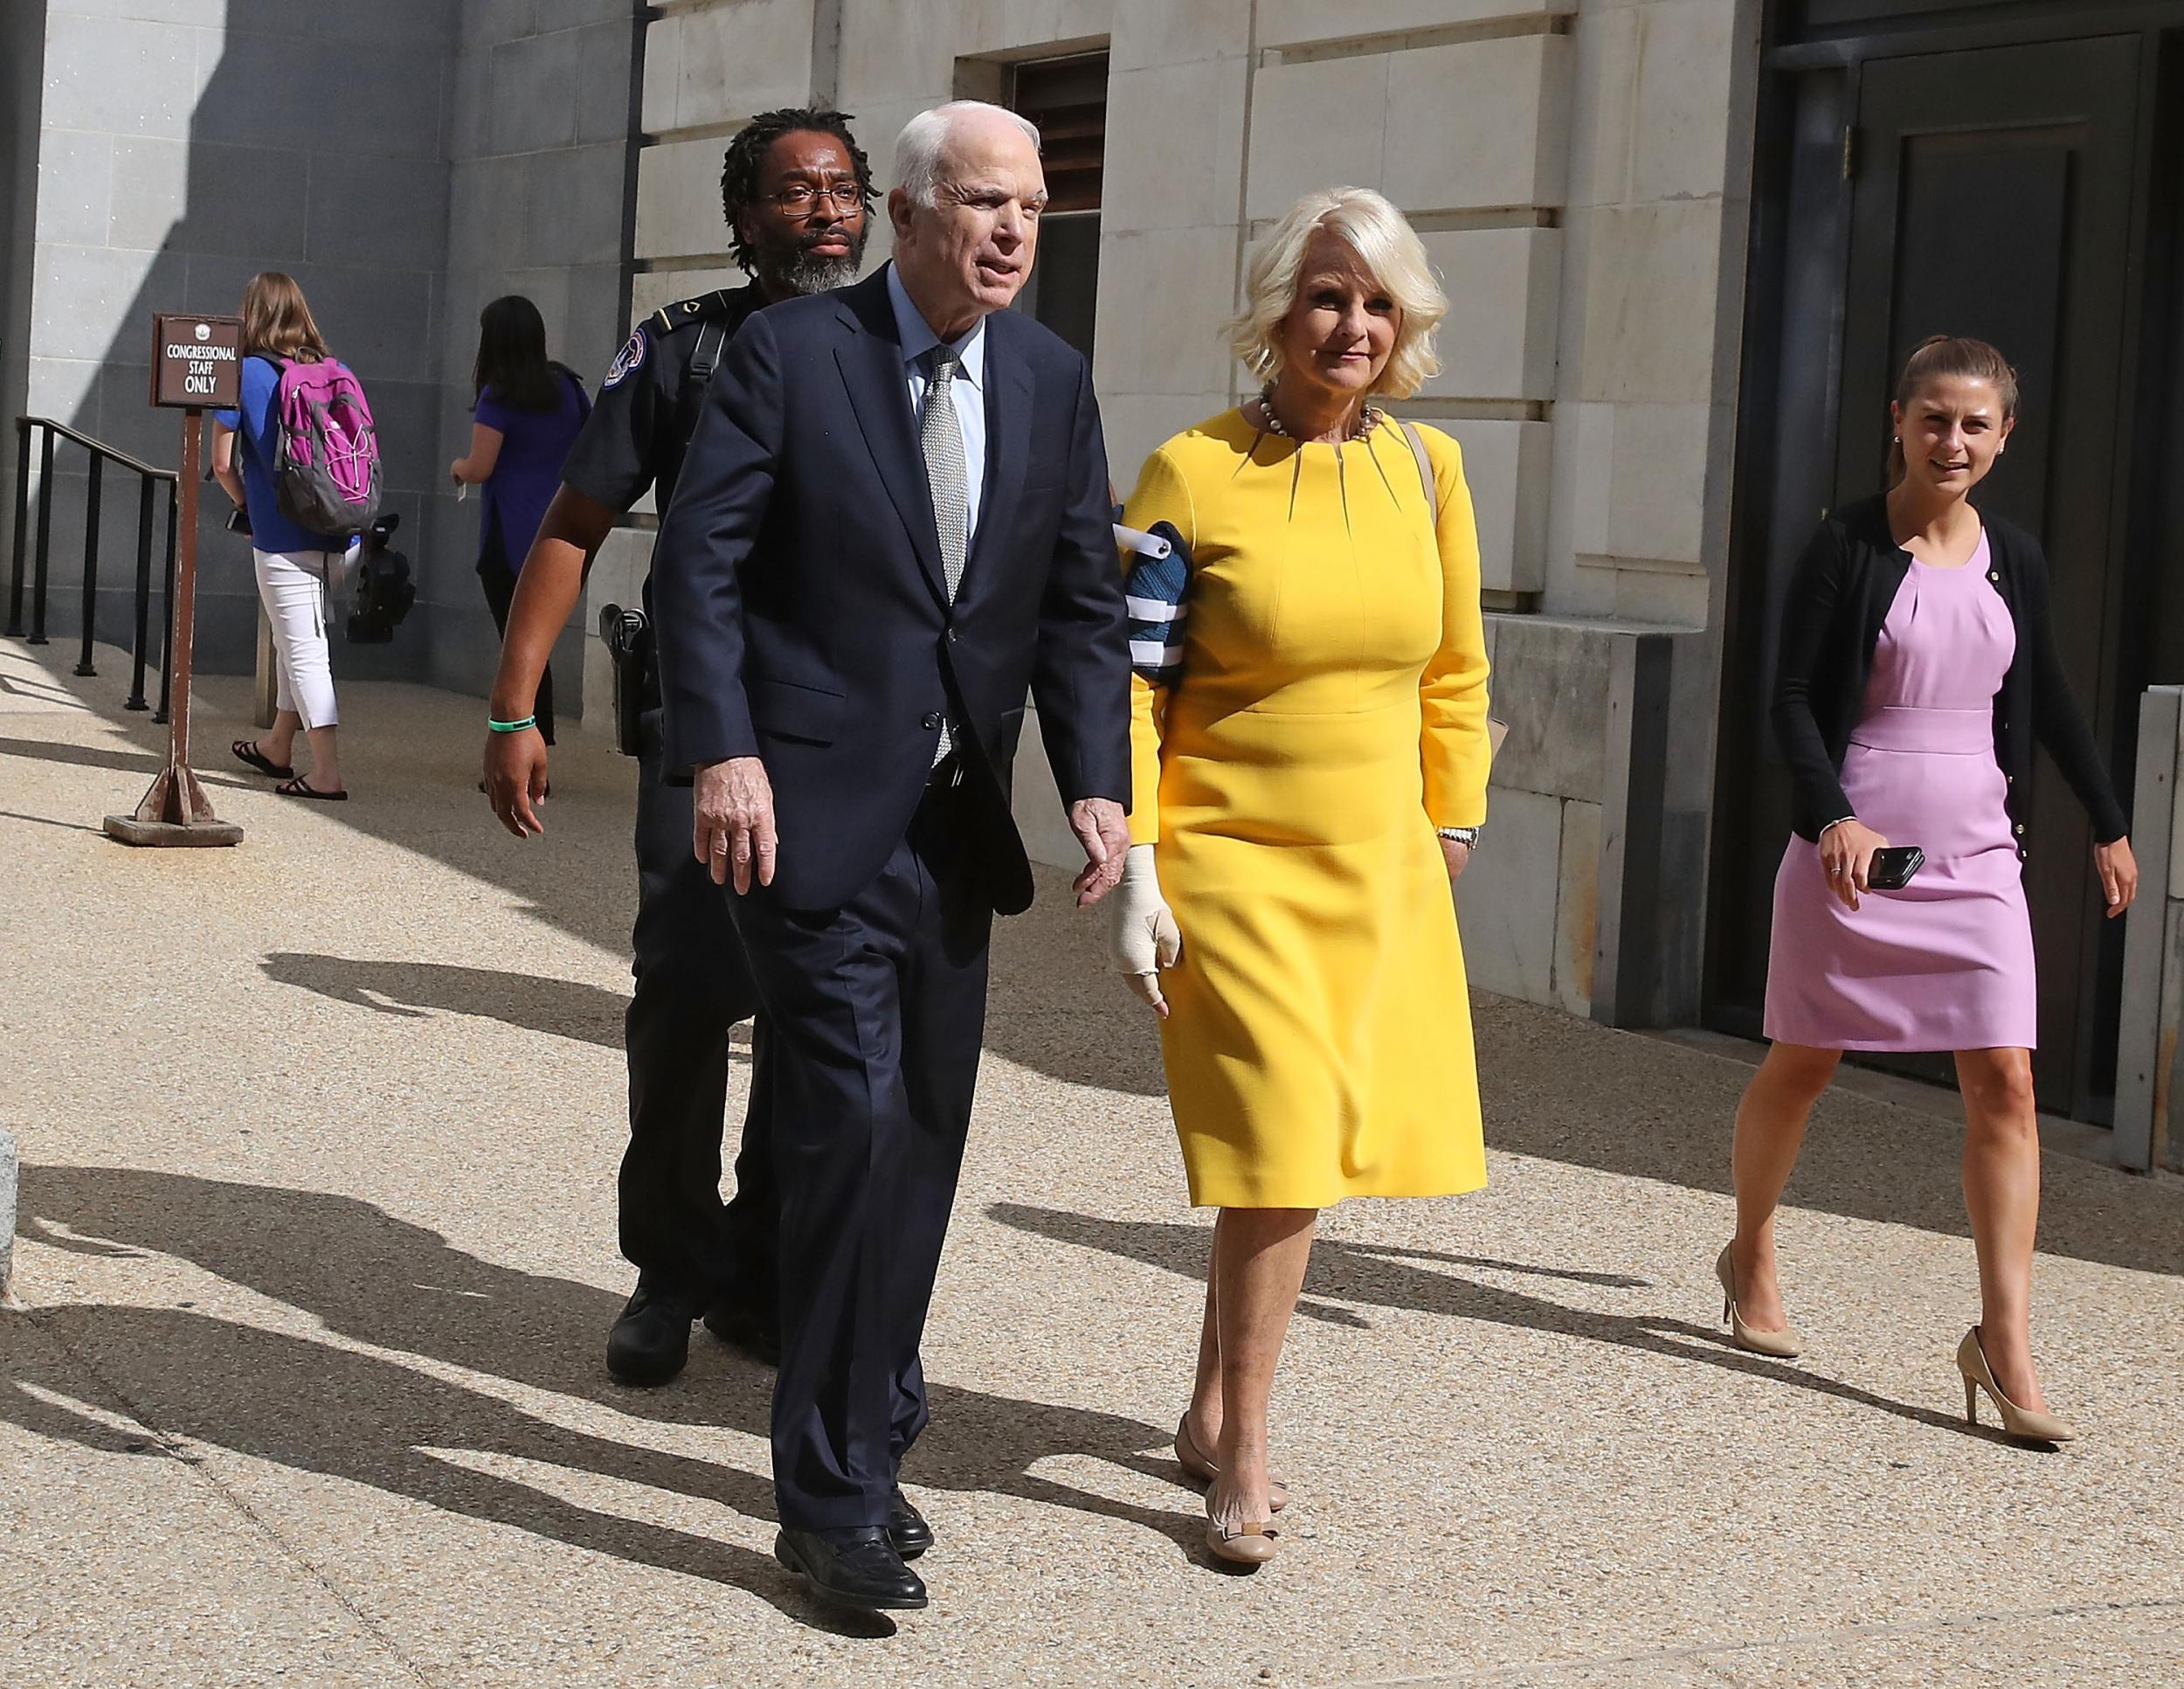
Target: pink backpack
x=326, y=462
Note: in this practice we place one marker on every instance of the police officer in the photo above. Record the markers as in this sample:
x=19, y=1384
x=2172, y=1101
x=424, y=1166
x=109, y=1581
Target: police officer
x=796, y=190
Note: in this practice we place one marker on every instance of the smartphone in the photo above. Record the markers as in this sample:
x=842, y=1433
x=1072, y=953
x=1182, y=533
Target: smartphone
x=1891, y=870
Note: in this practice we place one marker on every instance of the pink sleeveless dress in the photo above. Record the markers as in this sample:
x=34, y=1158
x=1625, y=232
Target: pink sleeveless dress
x=1945, y=964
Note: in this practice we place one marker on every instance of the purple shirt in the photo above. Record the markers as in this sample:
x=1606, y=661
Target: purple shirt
x=533, y=447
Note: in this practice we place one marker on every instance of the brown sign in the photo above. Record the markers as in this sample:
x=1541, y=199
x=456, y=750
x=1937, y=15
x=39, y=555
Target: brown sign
x=197, y=360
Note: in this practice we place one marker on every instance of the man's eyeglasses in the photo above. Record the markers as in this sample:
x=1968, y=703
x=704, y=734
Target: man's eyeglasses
x=800, y=198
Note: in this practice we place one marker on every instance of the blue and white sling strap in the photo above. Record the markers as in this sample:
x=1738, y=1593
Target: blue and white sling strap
x=1159, y=580
x=1159, y=584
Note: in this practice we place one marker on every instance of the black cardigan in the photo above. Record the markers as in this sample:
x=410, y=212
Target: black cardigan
x=1831, y=625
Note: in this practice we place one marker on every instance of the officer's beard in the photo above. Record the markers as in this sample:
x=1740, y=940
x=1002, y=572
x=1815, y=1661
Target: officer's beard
x=804, y=271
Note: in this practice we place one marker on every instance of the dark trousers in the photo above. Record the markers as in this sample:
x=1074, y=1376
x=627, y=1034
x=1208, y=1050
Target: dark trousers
x=876, y=1011
x=500, y=586
x=691, y=986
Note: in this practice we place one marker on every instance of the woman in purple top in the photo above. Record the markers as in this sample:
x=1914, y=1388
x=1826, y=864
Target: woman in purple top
x=528, y=411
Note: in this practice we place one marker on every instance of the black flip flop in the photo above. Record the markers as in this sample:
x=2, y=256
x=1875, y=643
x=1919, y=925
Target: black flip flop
x=250, y=756
x=297, y=788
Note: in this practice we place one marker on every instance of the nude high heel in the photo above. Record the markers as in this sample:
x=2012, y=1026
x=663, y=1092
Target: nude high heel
x=1784, y=1344
x=2023, y=1424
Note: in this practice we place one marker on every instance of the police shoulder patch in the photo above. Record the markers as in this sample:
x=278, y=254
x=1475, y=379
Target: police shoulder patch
x=626, y=361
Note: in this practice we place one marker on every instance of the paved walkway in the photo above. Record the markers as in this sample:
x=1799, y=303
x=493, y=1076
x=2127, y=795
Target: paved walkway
x=318, y=1137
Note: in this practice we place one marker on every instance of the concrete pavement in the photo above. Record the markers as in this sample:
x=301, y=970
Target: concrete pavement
x=318, y=1137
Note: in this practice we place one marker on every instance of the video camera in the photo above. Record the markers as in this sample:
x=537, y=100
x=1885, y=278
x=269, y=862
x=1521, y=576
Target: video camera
x=384, y=591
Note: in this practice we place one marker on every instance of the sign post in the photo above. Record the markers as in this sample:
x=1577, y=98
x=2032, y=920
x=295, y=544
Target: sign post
x=197, y=366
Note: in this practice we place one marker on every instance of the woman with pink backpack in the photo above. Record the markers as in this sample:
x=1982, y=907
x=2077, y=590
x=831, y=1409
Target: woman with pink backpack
x=308, y=474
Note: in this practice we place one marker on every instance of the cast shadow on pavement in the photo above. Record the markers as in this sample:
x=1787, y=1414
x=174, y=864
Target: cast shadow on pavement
x=147, y=762
x=1345, y=1271
x=1566, y=1091
x=373, y=1278
x=566, y=1009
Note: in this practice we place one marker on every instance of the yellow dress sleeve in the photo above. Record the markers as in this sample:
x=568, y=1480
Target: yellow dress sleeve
x=1452, y=691
x=1162, y=496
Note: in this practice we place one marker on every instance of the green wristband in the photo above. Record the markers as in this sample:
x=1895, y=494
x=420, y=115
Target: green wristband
x=512, y=727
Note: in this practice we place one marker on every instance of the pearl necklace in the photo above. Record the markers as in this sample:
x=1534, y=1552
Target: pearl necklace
x=1369, y=418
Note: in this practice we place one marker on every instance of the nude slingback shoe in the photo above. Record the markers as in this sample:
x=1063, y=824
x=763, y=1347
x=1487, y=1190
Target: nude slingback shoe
x=1195, y=1461
x=1784, y=1344
x=2023, y=1424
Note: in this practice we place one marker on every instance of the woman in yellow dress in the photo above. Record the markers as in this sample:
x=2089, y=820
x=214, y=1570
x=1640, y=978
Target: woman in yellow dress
x=1310, y=713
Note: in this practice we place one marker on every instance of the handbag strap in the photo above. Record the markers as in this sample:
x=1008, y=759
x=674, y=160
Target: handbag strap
x=1425, y=470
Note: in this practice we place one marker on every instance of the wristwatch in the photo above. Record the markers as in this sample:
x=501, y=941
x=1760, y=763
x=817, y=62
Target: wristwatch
x=1466, y=836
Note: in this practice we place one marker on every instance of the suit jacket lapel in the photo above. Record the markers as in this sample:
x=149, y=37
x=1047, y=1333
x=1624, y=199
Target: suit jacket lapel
x=870, y=358
x=1008, y=419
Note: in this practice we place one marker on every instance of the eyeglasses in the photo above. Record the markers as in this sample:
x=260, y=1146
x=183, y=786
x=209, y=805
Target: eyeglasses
x=800, y=198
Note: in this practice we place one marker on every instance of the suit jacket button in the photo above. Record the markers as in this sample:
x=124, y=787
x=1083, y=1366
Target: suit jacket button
x=2021, y=829
x=931, y=720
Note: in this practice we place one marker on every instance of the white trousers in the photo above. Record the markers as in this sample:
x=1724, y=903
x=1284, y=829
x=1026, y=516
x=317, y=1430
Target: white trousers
x=292, y=586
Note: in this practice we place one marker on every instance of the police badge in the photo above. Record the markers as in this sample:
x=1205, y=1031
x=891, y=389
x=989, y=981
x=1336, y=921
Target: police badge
x=628, y=358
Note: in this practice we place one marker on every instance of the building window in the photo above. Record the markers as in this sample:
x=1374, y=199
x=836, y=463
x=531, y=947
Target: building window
x=1068, y=99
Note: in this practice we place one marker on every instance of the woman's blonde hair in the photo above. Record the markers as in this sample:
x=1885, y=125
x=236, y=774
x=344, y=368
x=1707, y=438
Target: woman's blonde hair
x=1385, y=243
x=276, y=321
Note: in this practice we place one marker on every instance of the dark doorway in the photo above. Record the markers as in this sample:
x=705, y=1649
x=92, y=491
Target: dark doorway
x=2000, y=191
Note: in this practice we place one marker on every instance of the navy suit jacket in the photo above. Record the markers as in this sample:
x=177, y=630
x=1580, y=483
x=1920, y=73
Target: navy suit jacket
x=802, y=613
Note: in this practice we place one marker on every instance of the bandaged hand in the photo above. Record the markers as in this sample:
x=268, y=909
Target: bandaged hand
x=1143, y=937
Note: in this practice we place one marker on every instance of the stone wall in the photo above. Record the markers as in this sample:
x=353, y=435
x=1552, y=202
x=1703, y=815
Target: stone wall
x=2149, y=1117
x=406, y=160
x=21, y=71
x=183, y=146
x=1579, y=169
x=540, y=157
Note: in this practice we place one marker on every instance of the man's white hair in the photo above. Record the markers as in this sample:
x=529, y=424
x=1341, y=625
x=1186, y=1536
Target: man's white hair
x=924, y=138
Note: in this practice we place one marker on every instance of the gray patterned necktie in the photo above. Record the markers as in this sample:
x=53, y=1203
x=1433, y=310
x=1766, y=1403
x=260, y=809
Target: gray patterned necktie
x=940, y=433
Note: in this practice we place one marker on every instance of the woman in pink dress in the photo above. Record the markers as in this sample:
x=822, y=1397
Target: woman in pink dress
x=1917, y=670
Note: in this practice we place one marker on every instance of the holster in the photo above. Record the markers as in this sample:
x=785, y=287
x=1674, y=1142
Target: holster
x=628, y=637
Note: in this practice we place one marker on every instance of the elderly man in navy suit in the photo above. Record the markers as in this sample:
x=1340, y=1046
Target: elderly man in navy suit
x=892, y=523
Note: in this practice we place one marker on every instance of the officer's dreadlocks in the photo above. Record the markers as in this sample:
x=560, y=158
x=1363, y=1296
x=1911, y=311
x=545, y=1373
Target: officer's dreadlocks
x=740, y=186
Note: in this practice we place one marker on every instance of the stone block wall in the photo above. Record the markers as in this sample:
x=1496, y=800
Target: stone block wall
x=539, y=162
x=2149, y=1116
x=168, y=150
x=21, y=74
x=182, y=146
x=1579, y=169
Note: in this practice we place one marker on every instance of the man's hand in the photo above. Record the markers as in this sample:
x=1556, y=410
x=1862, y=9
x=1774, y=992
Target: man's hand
x=733, y=833
x=1104, y=831
x=516, y=779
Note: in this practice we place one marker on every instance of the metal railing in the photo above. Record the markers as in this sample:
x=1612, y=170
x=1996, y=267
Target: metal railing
x=148, y=478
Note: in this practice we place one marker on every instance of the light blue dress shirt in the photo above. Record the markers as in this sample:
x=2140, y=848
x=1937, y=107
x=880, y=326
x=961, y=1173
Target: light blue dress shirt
x=968, y=389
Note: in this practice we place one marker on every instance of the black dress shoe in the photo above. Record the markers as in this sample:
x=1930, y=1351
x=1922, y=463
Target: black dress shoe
x=651, y=1338
x=745, y=1330
x=854, y=1566
x=907, y=1528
